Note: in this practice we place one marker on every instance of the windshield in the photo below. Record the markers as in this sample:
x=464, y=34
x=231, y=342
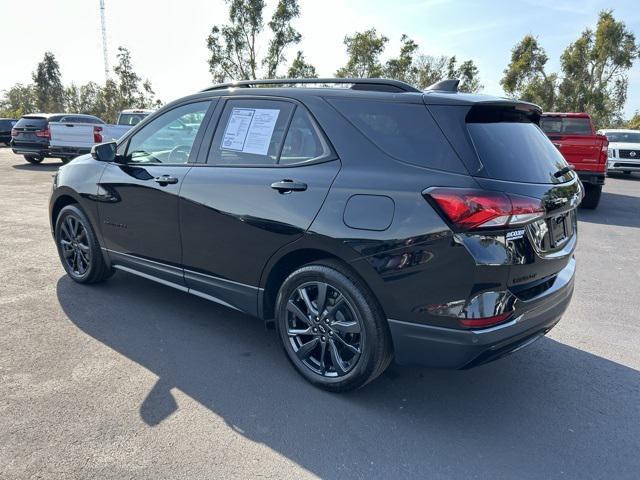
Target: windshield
x=623, y=137
x=513, y=148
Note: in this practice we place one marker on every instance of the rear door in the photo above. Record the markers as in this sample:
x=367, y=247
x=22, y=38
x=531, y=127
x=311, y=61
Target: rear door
x=139, y=195
x=261, y=182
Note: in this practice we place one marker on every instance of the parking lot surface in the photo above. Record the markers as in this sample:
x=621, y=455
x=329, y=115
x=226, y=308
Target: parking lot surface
x=131, y=379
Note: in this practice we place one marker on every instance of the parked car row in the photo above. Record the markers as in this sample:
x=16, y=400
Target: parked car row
x=63, y=135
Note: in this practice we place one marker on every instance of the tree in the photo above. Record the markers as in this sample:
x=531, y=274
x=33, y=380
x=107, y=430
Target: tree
x=466, y=72
x=283, y=34
x=634, y=123
x=233, y=53
x=300, y=68
x=411, y=66
x=403, y=67
x=364, y=50
x=595, y=70
x=17, y=101
x=525, y=76
x=48, y=85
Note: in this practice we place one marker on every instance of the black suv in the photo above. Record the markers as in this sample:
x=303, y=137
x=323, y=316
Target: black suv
x=6, y=124
x=31, y=135
x=368, y=221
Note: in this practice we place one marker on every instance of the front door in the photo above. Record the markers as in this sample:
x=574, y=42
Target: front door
x=139, y=195
x=266, y=175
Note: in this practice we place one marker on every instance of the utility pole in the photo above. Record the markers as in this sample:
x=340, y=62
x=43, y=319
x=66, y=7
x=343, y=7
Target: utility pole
x=105, y=53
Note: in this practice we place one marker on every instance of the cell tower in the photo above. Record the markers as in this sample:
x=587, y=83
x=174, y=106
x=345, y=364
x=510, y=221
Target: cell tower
x=105, y=53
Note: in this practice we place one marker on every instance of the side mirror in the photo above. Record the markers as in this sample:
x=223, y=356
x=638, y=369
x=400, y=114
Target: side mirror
x=104, y=152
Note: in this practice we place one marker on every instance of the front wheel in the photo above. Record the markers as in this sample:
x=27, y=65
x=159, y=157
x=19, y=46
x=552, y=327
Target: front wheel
x=333, y=331
x=592, y=196
x=33, y=160
x=78, y=247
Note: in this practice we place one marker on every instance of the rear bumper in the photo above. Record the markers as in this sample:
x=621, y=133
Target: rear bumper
x=34, y=150
x=68, y=152
x=440, y=347
x=596, y=178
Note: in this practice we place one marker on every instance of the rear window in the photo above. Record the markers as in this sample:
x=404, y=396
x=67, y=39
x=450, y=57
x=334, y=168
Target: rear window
x=565, y=125
x=131, y=118
x=31, y=122
x=403, y=131
x=6, y=124
x=511, y=146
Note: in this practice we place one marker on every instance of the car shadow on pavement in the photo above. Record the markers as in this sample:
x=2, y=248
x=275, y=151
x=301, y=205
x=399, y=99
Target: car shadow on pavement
x=45, y=167
x=548, y=411
x=614, y=209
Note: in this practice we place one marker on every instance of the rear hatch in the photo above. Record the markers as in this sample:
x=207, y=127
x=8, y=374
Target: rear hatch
x=576, y=140
x=31, y=130
x=526, y=185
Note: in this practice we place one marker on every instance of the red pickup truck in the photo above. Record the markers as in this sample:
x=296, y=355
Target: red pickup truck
x=576, y=138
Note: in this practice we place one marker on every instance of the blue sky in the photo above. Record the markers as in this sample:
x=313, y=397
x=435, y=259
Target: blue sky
x=167, y=39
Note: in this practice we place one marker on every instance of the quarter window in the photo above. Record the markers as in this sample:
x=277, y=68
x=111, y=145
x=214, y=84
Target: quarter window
x=168, y=138
x=250, y=132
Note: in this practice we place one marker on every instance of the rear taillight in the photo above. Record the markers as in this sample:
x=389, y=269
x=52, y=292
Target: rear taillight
x=14, y=132
x=44, y=133
x=468, y=209
x=97, y=134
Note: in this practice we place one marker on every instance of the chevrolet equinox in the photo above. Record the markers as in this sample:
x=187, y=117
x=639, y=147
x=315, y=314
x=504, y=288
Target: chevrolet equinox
x=366, y=219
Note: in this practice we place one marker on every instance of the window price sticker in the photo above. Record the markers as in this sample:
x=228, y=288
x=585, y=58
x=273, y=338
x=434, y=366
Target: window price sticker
x=249, y=130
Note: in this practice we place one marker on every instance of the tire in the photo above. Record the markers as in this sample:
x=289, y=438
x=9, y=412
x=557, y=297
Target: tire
x=79, y=252
x=33, y=160
x=592, y=196
x=323, y=357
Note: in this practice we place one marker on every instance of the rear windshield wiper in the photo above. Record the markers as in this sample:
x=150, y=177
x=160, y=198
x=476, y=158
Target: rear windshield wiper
x=563, y=171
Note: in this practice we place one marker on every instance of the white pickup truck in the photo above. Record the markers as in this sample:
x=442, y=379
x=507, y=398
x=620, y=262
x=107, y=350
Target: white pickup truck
x=76, y=135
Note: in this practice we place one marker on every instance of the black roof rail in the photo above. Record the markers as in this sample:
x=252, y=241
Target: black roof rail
x=450, y=85
x=376, y=84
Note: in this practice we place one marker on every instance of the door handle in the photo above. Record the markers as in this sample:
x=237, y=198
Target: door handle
x=165, y=180
x=288, y=186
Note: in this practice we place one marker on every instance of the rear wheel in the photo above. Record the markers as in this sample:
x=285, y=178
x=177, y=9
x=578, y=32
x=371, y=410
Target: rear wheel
x=592, y=196
x=33, y=160
x=78, y=247
x=333, y=331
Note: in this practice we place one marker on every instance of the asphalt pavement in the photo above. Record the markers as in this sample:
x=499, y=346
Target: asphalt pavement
x=131, y=379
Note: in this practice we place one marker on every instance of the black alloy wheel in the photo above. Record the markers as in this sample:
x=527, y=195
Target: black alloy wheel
x=74, y=245
x=78, y=247
x=323, y=329
x=332, y=327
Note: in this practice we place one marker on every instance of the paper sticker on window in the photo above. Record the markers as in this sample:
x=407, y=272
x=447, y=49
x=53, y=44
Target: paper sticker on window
x=249, y=130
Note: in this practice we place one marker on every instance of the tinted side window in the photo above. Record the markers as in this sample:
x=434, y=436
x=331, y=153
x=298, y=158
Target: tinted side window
x=168, y=138
x=404, y=131
x=303, y=141
x=250, y=132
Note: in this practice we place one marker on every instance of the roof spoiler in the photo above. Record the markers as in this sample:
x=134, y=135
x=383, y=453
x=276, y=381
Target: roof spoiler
x=449, y=85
